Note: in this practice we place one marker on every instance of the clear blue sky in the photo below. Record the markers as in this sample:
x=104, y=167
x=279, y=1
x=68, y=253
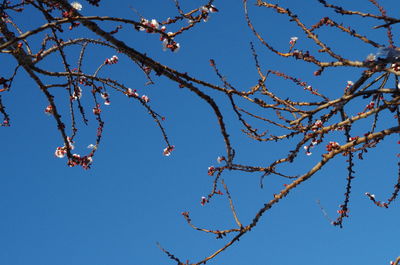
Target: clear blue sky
x=114, y=213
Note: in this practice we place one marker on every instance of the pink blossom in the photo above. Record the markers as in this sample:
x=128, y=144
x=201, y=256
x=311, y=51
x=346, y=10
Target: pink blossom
x=60, y=152
x=145, y=99
x=132, y=93
x=113, y=60
x=317, y=124
x=332, y=146
x=154, y=24
x=371, y=105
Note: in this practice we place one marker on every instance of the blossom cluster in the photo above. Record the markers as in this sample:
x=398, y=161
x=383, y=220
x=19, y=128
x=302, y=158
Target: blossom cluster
x=134, y=94
x=206, y=10
x=332, y=146
x=112, y=60
x=62, y=151
x=76, y=159
x=150, y=25
x=84, y=161
x=317, y=125
x=153, y=26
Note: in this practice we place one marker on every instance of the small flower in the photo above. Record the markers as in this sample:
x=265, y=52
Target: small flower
x=203, y=200
x=308, y=147
x=293, y=40
x=104, y=95
x=371, y=57
x=220, y=159
x=60, y=152
x=349, y=84
x=106, y=98
x=318, y=124
x=204, y=9
x=211, y=170
x=164, y=44
x=213, y=9
x=332, y=146
x=97, y=110
x=353, y=138
x=112, y=60
x=70, y=143
x=145, y=99
x=132, y=93
x=82, y=80
x=92, y=146
x=48, y=110
x=176, y=48
x=154, y=24
x=76, y=6
x=167, y=151
x=371, y=105
x=395, y=67
x=170, y=44
x=143, y=22
x=77, y=93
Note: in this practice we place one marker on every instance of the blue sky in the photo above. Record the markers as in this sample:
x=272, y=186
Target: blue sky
x=133, y=196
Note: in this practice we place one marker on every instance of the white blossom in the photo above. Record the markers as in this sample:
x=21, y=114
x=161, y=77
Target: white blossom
x=76, y=6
